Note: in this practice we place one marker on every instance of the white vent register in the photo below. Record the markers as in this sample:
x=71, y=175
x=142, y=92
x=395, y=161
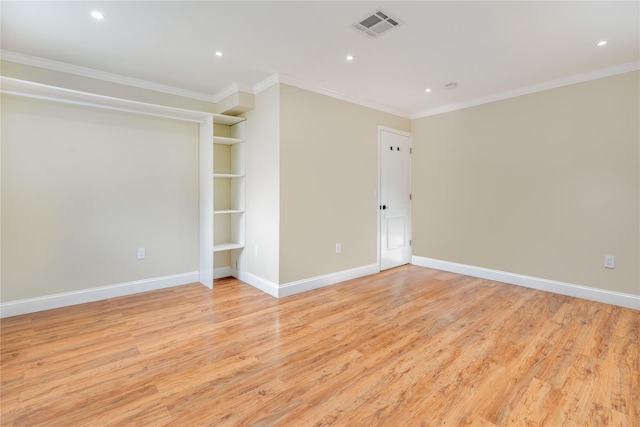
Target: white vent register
x=376, y=23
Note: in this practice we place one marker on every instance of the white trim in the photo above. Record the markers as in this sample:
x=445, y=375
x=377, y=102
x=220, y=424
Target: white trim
x=303, y=285
x=48, y=302
x=311, y=87
x=205, y=201
x=259, y=283
x=291, y=288
x=565, y=81
x=396, y=131
x=41, y=91
x=219, y=273
x=102, y=75
x=292, y=81
x=230, y=90
x=378, y=203
x=265, y=84
x=578, y=291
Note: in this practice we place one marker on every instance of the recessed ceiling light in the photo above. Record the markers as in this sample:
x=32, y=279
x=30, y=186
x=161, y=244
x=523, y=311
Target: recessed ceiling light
x=427, y=90
x=349, y=57
x=218, y=53
x=97, y=15
x=601, y=43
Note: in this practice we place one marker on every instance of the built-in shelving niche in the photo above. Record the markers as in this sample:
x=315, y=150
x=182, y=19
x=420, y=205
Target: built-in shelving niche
x=228, y=196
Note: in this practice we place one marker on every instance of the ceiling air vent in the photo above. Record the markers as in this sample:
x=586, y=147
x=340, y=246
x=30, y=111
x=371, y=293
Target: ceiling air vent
x=377, y=23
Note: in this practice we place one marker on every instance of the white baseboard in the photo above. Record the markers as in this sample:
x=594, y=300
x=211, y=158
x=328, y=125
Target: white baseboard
x=219, y=273
x=31, y=305
x=298, y=286
x=584, y=292
x=259, y=283
x=291, y=288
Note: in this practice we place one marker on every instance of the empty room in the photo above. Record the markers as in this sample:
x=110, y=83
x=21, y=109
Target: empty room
x=320, y=213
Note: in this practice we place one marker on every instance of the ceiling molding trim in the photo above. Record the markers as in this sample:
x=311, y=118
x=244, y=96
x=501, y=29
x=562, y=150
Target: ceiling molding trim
x=292, y=81
x=266, y=83
x=102, y=75
x=553, y=84
x=230, y=90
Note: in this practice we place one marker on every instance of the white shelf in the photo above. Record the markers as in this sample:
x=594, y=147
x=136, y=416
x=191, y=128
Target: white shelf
x=224, y=140
x=223, y=119
x=227, y=246
x=227, y=175
x=228, y=211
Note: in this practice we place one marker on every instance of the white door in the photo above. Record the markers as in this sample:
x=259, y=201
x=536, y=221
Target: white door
x=395, y=198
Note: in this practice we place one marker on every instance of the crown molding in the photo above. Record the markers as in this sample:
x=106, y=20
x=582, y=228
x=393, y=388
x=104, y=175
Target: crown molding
x=102, y=75
x=266, y=83
x=227, y=91
x=553, y=84
x=230, y=90
x=292, y=81
x=311, y=87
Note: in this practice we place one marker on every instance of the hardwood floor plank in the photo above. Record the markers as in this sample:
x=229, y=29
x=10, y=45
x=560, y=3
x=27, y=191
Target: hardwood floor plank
x=89, y=409
x=628, y=324
x=534, y=405
x=410, y=346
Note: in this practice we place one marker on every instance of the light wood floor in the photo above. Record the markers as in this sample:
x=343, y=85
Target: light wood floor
x=408, y=347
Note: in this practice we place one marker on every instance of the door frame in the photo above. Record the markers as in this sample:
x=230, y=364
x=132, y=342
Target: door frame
x=378, y=191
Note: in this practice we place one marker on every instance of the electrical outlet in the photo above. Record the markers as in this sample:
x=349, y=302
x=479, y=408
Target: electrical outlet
x=255, y=249
x=609, y=261
x=338, y=248
x=142, y=254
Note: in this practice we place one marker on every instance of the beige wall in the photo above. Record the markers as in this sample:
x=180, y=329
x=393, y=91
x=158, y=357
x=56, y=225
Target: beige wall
x=328, y=175
x=542, y=185
x=83, y=188
x=101, y=87
x=263, y=185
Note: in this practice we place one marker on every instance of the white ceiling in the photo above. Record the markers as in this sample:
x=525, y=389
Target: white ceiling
x=489, y=48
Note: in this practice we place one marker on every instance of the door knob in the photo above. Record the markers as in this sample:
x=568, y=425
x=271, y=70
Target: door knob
x=383, y=207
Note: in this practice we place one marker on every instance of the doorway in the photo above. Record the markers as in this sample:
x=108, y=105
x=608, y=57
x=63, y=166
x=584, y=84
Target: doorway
x=394, y=197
